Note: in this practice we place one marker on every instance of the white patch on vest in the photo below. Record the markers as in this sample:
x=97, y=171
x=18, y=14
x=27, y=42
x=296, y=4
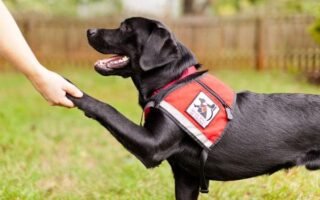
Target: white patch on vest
x=203, y=109
x=192, y=130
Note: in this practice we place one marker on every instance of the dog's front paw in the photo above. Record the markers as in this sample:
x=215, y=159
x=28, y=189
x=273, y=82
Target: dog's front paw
x=85, y=103
x=78, y=102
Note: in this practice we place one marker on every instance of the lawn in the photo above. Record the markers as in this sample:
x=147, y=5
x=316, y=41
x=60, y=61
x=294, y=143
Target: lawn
x=56, y=153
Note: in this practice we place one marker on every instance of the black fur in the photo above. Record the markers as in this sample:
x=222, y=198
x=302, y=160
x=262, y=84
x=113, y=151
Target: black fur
x=269, y=132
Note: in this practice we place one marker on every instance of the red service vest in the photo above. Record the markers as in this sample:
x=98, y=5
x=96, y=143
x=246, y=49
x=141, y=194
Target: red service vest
x=201, y=107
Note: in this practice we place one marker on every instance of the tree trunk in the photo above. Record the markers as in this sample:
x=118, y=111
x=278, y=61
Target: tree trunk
x=188, y=7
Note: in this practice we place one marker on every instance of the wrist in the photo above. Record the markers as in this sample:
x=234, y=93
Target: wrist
x=36, y=72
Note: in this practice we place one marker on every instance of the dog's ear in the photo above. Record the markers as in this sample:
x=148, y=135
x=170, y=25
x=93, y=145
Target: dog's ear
x=160, y=49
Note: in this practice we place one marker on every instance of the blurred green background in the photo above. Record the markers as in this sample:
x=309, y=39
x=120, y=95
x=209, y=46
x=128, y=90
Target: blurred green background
x=57, y=153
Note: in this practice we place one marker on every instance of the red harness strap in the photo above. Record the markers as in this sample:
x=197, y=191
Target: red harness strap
x=185, y=73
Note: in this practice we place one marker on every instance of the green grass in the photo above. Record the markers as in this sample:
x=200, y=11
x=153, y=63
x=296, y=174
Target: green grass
x=56, y=153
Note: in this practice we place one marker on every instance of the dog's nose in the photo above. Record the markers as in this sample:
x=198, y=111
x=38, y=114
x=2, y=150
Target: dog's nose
x=92, y=31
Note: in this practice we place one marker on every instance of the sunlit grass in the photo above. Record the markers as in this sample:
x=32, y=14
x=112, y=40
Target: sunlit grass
x=56, y=153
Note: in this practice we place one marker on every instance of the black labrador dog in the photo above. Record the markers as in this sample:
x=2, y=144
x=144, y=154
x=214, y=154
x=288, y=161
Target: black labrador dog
x=269, y=132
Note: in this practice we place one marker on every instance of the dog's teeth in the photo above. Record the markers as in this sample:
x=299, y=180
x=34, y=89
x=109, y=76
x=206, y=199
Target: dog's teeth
x=113, y=63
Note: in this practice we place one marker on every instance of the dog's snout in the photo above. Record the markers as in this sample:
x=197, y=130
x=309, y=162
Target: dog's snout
x=92, y=32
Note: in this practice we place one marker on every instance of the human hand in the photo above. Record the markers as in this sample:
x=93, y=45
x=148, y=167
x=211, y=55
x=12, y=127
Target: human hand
x=54, y=88
x=51, y=85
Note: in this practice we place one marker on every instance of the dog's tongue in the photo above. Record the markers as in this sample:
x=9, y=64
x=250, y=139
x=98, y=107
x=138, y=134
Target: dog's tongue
x=112, y=63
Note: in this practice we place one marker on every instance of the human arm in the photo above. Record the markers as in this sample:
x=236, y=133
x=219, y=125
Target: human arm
x=14, y=48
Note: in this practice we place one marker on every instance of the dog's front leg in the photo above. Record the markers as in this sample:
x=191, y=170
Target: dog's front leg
x=150, y=146
x=186, y=186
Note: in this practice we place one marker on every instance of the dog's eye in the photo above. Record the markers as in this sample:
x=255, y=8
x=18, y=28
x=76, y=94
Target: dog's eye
x=125, y=28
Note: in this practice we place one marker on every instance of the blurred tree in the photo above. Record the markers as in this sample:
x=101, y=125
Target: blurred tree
x=314, y=29
x=192, y=7
x=231, y=7
x=188, y=7
x=65, y=7
x=261, y=7
x=218, y=7
x=306, y=7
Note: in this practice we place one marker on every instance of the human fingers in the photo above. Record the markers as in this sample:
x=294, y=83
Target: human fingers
x=72, y=90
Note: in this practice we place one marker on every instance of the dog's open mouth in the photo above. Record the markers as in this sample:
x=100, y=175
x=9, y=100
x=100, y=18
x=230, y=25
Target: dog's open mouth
x=114, y=62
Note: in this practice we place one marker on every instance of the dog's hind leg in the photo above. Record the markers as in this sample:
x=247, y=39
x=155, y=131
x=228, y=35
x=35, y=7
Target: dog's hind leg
x=311, y=160
x=313, y=165
x=186, y=186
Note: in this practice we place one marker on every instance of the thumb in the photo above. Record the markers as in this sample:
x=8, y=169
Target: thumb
x=73, y=90
x=66, y=103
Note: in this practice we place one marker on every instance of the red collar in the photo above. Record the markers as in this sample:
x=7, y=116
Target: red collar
x=185, y=73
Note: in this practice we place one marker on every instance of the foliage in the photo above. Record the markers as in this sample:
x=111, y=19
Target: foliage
x=269, y=7
x=228, y=7
x=56, y=153
x=314, y=30
x=66, y=7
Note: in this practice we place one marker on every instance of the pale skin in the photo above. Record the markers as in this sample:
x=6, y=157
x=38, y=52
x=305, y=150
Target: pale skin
x=14, y=48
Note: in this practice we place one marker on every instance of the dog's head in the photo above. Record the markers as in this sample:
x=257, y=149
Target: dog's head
x=139, y=45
